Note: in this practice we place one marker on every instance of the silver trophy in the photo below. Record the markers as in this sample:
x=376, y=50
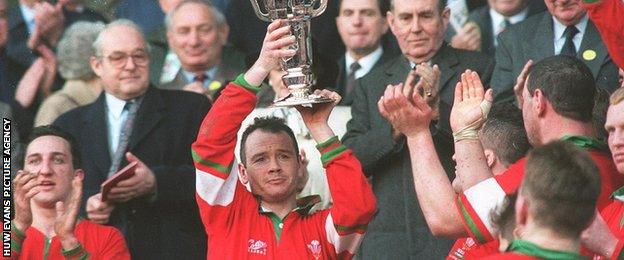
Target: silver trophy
x=299, y=77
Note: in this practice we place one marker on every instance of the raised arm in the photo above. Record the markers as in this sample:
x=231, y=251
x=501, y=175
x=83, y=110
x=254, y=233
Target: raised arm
x=213, y=151
x=353, y=200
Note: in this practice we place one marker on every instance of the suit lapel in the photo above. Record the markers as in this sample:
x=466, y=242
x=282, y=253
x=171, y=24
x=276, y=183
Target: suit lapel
x=446, y=60
x=592, y=42
x=542, y=44
x=148, y=116
x=95, y=131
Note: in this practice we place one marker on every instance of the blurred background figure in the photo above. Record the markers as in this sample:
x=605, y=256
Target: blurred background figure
x=81, y=86
x=197, y=35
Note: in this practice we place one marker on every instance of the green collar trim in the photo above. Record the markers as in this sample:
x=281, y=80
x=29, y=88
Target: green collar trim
x=530, y=249
x=618, y=194
x=586, y=142
x=304, y=205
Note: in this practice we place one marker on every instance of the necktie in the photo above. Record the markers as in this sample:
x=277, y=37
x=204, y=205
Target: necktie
x=568, y=46
x=503, y=26
x=351, y=77
x=201, y=78
x=131, y=107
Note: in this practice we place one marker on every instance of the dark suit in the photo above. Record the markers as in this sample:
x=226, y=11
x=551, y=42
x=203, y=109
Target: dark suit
x=166, y=124
x=533, y=39
x=399, y=230
x=341, y=81
x=482, y=17
x=232, y=64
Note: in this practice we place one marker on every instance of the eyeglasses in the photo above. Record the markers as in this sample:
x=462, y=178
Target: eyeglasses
x=120, y=59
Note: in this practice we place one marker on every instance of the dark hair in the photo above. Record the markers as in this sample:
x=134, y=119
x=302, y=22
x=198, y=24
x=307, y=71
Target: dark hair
x=383, y=5
x=601, y=105
x=568, y=85
x=503, y=217
x=503, y=132
x=47, y=130
x=441, y=5
x=268, y=124
x=562, y=184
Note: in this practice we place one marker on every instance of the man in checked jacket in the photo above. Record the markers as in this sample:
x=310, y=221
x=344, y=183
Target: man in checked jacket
x=268, y=222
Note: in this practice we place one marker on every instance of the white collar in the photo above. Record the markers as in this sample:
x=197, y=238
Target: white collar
x=114, y=105
x=28, y=13
x=366, y=63
x=559, y=28
x=498, y=18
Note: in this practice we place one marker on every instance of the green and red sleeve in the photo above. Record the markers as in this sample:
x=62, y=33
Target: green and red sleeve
x=353, y=200
x=213, y=151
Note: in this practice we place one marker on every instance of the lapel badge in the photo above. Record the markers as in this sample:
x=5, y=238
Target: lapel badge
x=589, y=55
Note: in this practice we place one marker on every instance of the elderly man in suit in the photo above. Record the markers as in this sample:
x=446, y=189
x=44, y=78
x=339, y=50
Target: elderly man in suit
x=399, y=230
x=564, y=29
x=197, y=33
x=361, y=25
x=132, y=121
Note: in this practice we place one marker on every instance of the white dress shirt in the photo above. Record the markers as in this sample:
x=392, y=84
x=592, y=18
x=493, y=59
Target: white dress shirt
x=29, y=17
x=366, y=63
x=559, y=39
x=115, y=115
x=498, y=21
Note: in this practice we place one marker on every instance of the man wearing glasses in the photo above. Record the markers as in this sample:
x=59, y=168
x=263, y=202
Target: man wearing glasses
x=132, y=121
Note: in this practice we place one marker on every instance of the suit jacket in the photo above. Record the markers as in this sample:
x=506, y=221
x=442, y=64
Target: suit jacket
x=482, y=17
x=167, y=227
x=399, y=230
x=341, y=81
x=533, y=39
x=232, y=64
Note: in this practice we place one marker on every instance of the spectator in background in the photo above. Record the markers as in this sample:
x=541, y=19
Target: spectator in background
x=399, y=230
x=361, y=25
x=564, y=29
x=82, y=86
x=556, y=202
x=197, y=33
x=491, y=20
x=132, y=121
x=47, y=194
x=35, y=27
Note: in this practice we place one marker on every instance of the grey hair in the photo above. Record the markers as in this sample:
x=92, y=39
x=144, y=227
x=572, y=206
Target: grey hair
x=97, y=44
x=75, y=49
x=217, y=15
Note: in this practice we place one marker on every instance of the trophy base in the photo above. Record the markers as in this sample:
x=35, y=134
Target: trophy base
x=291, y=101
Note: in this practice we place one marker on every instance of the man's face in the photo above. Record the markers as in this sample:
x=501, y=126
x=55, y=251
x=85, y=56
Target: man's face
x=196, y=37
x=615, y=128
x=50, y=157
x=568, y=12
x=272, y=166
x=123, y=67
x=508, y=7
x=4, y=25
x=419, y=27
x=360, y=25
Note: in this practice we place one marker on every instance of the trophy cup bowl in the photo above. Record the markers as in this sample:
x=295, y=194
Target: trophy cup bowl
x=299, y=77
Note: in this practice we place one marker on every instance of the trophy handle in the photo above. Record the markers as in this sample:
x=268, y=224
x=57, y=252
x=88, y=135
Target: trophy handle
x=318, y=11
x=259, y=13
